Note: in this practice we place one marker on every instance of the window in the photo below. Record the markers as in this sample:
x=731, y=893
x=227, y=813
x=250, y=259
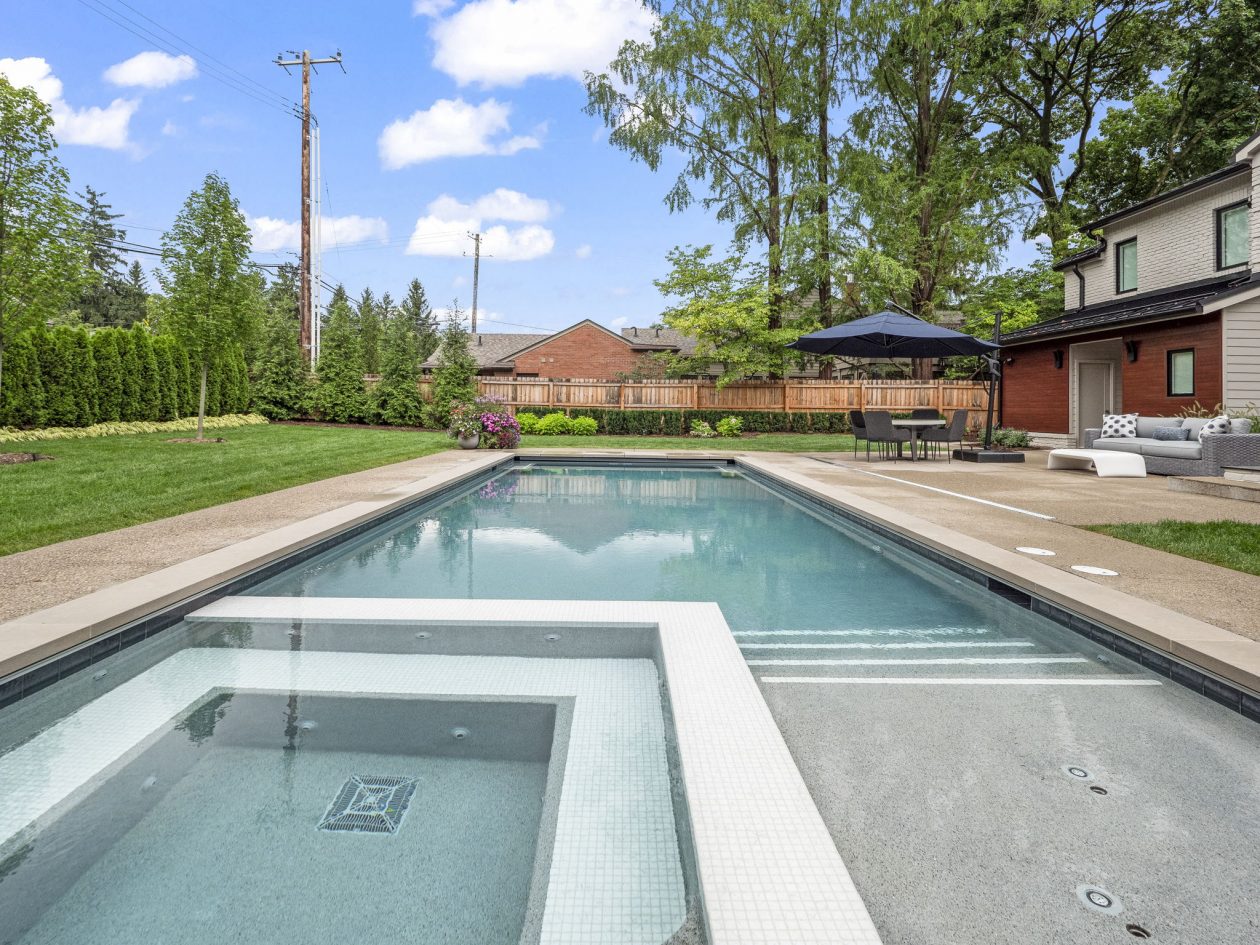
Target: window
x=1181, y=373
x=1126, y=265
x=1232, y=236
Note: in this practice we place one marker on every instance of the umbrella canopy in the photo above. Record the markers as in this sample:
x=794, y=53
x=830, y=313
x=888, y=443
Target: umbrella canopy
x=891, y=335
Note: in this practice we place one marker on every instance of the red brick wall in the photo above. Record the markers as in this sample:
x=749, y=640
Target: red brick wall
x=1036, y=396
x=1034, y=393
x=585, y=352
x=1145, y=389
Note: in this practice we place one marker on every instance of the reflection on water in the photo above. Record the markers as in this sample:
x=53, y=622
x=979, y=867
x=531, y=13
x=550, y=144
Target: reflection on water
x=645, y=534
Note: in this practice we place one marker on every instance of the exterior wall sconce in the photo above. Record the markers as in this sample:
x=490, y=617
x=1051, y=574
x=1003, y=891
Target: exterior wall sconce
x=1058, y=360
x=1131, y=350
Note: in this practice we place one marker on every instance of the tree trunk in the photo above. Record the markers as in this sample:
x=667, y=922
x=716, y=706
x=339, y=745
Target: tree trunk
x=201, y=404
x=1, y=372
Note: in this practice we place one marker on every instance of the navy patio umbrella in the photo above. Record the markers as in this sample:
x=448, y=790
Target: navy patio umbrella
x=892, y=335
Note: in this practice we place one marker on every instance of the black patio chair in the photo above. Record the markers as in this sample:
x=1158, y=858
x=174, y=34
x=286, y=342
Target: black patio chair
x=858, y=423
x=925, y=413
x=950, y=434
x=880, y=431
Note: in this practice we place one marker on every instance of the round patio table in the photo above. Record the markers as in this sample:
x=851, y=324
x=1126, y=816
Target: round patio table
x=914, y=426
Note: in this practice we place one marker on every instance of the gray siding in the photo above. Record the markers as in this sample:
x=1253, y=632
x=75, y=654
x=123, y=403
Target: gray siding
x=1176, y=242
x=1242, y=353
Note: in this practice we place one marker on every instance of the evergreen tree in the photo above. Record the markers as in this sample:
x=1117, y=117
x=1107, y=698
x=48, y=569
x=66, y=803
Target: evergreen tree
x=370, y=332
x=131, y=298
x=187, y=381
x=416, y=310
x=109, y=381
x=65, y=404
x=455, y=380
x=340, y=396
x=22, y=397
x=148, y=387
x=397, y=396
x=100, y=296
x=281, y=380
x=240, y=382
x=211, y=286
x=131, y=407
x=169, y=382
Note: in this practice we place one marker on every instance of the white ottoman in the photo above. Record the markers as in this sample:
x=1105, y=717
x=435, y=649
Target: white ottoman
x=1107, y=463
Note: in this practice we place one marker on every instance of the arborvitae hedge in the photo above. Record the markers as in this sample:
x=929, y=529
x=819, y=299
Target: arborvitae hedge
x=69, y=377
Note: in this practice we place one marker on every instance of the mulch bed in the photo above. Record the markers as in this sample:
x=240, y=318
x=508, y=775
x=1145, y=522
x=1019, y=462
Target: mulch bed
x=9, y=459
x=193, y=439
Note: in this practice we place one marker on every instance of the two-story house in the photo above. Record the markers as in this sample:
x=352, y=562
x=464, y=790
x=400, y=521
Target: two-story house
x=1161, y=313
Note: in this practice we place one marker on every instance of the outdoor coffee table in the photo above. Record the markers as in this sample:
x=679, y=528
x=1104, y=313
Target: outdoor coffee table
x=1107, y=463
x=914, y=426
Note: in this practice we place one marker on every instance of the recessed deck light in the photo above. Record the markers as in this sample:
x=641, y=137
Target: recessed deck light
x=1090, y=569
x=1029, y=550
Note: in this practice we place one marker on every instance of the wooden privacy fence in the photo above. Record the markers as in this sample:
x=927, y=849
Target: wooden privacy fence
x=788, y=396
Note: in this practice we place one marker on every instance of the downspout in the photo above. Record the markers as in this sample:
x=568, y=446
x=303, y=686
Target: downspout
x=1080, y=284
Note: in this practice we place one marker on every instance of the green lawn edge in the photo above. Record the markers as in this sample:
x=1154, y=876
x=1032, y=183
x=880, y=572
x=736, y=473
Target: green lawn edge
x=1233, y=545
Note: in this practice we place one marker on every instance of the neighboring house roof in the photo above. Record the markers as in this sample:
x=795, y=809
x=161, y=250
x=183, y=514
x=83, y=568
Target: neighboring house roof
x=1192, y=298
x=655, y=346
x=1085, y=255
x=1239, y=167
x=494, y=349
x=663, y=338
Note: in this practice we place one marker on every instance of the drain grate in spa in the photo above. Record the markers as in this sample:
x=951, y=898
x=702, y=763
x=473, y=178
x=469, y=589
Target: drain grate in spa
x=369, y=805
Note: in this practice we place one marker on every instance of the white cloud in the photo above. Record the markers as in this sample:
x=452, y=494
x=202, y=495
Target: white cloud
x=170, y=129
x=584, y=251
x=443, y=229
x=505, y=42
x=451, y=128
x=620, y=322
x=430, y=7
x=152, y=70
x=93, y=126
x=273, y=235
x=621, y=291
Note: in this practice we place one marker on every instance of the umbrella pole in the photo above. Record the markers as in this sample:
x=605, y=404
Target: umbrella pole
x=994, y=361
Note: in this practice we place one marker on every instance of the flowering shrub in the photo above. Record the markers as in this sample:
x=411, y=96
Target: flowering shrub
x=701, y=429
x=499, y=429
x=528, y=422
x=730, y=426
x=465, y=421
x=554, y=424
x=583, y=426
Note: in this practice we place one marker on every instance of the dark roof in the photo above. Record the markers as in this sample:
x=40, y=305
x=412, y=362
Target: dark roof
x=1093, y=252
x=493, y=349
x=666, y=339
x=1188, y=298
x=1218, y=175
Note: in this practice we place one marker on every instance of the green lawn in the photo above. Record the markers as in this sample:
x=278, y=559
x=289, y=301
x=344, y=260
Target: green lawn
x=95, y=485
x=108, y=482
x=762, y=442
x=1233, y=545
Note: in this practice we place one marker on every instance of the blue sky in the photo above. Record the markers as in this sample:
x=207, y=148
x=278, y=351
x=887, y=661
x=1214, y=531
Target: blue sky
x=452, y=114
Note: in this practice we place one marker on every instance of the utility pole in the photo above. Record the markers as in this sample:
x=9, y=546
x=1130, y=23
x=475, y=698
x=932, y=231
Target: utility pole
x=476, y=238
x=304, y=60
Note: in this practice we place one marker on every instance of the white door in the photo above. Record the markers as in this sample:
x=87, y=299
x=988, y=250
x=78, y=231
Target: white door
x=1093, y=395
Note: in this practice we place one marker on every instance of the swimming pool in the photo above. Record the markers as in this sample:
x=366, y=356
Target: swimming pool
x=938, y=725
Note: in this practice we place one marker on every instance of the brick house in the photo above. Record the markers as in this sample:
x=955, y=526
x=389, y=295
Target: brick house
x=1161, y=313
x=586, y=350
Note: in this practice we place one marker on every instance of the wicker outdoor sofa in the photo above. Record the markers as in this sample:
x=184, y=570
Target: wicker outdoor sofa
x=1192, y=457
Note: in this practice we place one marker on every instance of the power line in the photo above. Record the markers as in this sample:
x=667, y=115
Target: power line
x=125, y=22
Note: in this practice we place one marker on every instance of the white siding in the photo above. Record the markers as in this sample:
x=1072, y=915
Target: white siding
x=1242, y=353
x=1176, y=241
x=1255, y=209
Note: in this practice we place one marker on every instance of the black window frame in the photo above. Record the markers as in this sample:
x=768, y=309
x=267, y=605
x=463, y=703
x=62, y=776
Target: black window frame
x=1132, y=240
x=1220, y=235
x=1168, y=371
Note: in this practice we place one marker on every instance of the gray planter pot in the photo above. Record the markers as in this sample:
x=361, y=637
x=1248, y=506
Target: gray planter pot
x=469, y=442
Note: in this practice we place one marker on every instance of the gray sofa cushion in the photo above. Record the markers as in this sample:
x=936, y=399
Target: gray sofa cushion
x=1240, y=425
x=1170, y=434
x=1121, y=444
x=1194, y=425
x=1191, y=449
x=1146, y=426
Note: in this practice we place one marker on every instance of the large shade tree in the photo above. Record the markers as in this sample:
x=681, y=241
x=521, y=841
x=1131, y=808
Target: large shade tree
x=212, y=289
x=42, y=258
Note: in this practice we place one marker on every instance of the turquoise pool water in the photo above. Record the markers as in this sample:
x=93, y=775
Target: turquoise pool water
x=800, y=590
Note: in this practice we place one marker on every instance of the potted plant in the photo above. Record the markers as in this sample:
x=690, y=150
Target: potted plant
x=465, y=426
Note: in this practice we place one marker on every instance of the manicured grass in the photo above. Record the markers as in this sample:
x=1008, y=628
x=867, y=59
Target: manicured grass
x=767, y=442
x=95, y=485
x=1233, y=545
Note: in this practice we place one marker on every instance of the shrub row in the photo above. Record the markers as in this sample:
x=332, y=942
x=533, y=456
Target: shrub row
x=556, y=424
x=68, y=377
x=678, y=422
x=188, y=424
